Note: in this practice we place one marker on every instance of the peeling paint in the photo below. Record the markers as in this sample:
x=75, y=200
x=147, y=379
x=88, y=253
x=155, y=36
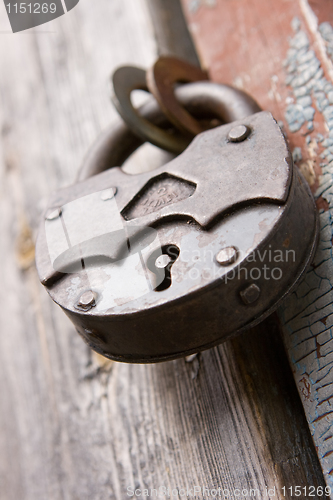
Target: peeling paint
x=326, y=31
x=312, y=93
x=297, y=154
x=195, y=4
x=307, y=170
x=307, y=315
x=305, y=76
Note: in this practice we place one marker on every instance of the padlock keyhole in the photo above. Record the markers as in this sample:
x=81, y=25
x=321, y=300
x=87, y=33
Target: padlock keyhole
x=160, y=264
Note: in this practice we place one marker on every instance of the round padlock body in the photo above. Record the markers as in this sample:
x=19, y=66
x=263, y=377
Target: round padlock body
x=167, y=263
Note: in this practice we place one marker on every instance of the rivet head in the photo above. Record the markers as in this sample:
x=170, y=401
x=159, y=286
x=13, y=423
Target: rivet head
x=87, y=300
x=250, y=294
x=54, y=213
x=162, y=261
x=227, y=256
x=238, y=133
x=108, y=194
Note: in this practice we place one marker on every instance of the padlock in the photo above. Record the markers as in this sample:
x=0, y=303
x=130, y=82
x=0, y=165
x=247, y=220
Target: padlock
x=164, y=264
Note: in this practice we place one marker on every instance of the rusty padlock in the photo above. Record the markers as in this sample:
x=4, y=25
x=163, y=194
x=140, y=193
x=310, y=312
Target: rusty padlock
x=163, y=264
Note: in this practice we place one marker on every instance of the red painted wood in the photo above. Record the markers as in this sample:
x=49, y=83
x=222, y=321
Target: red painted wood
x=245, y=42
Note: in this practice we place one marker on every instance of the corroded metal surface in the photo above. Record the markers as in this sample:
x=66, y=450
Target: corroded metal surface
x=202, y=98
x=161, y=80
x=231, y=194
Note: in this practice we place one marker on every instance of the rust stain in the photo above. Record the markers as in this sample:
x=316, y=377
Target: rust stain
x=324, y=320
x=286, y=243
x=307, y=169
x=25, y=248
x=305, y=388
x=322, y=204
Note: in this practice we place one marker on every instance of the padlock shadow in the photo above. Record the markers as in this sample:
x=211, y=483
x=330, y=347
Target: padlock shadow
x=235, y=409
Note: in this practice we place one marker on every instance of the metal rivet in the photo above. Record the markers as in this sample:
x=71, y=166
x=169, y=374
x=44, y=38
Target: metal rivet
x=162, y=261
x=250, y=294
x=54, y=213
x=227, y=256
x=108, y=194
x=87, y=300
x=239, y=133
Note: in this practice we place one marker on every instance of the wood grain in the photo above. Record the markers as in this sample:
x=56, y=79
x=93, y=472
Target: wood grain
x=75, y=426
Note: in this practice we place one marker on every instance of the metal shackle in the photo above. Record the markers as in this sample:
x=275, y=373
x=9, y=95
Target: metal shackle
x=201, y=99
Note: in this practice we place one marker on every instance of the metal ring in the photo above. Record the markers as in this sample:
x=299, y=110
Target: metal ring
x=161, y=79
x=125, y=80
x=201, y=99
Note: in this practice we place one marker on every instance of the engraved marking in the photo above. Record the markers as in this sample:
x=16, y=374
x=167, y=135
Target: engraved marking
x=159, y=192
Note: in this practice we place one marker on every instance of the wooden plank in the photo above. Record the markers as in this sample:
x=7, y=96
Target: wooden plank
x=281, y=52
x=73, y=425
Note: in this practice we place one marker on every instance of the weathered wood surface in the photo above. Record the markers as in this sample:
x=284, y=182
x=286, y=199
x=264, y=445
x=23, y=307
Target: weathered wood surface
x=283, y=54
x=74, y=426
